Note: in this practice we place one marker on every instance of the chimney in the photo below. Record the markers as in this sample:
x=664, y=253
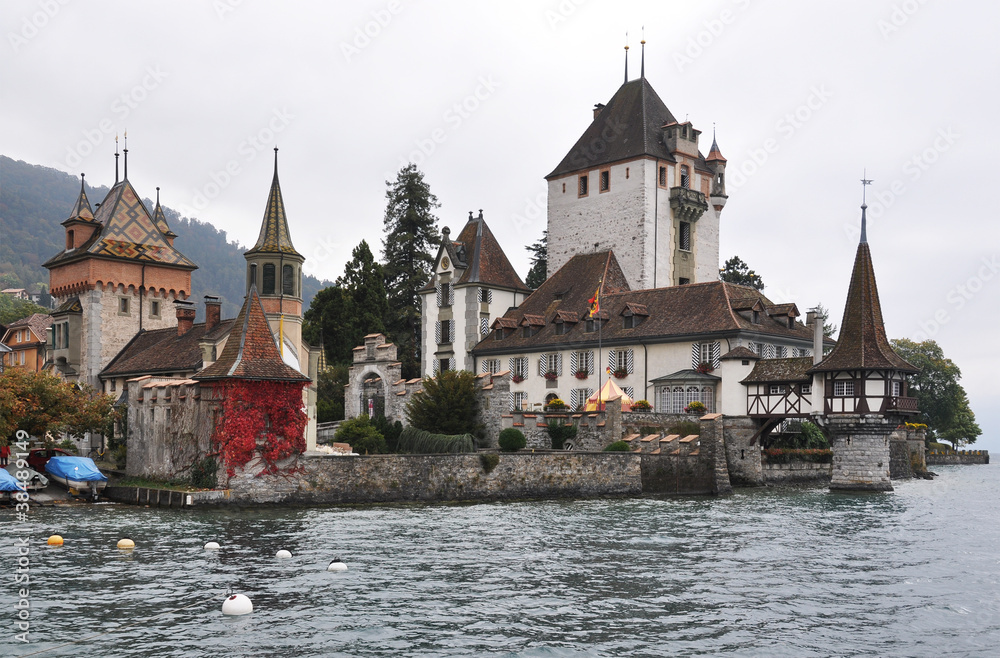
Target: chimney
x=817, y=326
x=597, y=109
x=213, y=312
x=185, y=316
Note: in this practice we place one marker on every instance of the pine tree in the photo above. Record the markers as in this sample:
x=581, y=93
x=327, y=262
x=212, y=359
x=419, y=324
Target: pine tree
x=736, y=271
x=407, y=253
x=539, y=262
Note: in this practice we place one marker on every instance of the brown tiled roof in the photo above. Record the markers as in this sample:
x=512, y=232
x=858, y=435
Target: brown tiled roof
x=635, y=309
x=862, y=343
x=780, y=370
x=698, y=309
x=634, y=120
x=127, y=232
x=506, y=323
x=532, y=320
x=782, y=309
x=487, y=262
x=274, y=235
x=714, y=153
x=739, y=352
x=251, y=351
x=163, y=351
x=37, y=322
x=568, y=316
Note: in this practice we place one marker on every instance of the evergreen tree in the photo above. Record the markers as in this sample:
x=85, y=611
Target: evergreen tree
x=539, y=262
x=736, y=271
x=410, y=238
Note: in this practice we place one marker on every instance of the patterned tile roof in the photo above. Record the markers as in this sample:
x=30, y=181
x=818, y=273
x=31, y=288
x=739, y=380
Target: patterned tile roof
x=862, y=343
x=81, y=209
x=698, y=309
x=274, y=234
x=127, y=233
x=634, y=119
x=71, y=305
x=160, y=220
x=163, y=351
x=252, y=350
x=780, y=370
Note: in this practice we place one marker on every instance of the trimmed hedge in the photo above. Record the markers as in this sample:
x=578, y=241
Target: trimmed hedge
x=512, y=439
x=618, y=446
x=418, y=442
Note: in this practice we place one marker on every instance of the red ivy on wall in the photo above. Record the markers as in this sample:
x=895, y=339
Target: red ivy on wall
x=259, y=416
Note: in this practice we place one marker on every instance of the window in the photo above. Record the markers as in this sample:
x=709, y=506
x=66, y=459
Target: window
x=621, y=361
x=631, y=321
x=287, y=280
x=268, y=288
x=626, y=173
x=491, y=366
x=705, y=353
x=444, y=295
x=896, y=389
x=683, y=281
x=154, y=308
x=554, y=363
x=582, y=362
x=69, y=240
x=498, y=333
x=519, y=400
x=445, y=331
x=519, y=367
x=807, y=389
x=253, y=273
x=583, y=186
x=561, y=327
x=684, y=239
x=564, y=188
x=485, y=296
x=578, y=398
x=663, y=176
x=777, y=389
x=685, y=176
x=589, y=326
x=22, y=358
x=605, y=180
x=843, y=389
x=444, y=364
x=755, y=317
x=780, y=351
x=123, y=305
x=114, y=385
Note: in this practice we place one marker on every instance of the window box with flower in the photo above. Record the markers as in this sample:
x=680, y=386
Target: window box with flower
x=705, y=367
x=556, y=405
x=621, y=373
x=695, y=408
x=642, y=405
x=551, y=375
x=582, y=374
x=517, y=379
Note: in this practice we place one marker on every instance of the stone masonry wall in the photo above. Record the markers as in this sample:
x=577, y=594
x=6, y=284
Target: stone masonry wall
x=743, y=459
x=796, y=472
x=860, y=452
x=959, y=457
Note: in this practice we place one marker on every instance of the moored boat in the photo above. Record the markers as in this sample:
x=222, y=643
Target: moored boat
x=78, y=473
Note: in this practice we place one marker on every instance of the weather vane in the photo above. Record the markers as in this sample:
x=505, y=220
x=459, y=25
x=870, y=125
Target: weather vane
x=864, y=183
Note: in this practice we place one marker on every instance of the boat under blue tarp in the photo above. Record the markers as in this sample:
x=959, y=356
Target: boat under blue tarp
x=8, y=482
x=75, y=472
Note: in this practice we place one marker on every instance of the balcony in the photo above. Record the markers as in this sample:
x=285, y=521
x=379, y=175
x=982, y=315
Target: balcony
x=902, y=405
x=688, y=205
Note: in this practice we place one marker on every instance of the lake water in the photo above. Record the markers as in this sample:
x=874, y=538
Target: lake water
x=768, y=572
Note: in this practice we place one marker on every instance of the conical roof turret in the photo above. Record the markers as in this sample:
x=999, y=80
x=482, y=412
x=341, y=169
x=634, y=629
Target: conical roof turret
x=274, y=234
x=81, y=209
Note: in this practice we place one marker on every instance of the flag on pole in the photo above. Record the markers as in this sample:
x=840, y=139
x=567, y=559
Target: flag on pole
x=595, y=302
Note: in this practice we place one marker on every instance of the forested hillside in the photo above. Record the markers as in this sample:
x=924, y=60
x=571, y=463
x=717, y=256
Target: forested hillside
x=34, y=200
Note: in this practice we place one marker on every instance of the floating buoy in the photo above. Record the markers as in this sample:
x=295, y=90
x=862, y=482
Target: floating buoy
x=55, y=540
x=282, y=554
x=236, y=605
x=212, y=546
x=126, y=544
x=337, y=565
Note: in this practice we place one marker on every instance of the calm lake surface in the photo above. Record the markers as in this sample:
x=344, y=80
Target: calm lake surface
x=771, y=572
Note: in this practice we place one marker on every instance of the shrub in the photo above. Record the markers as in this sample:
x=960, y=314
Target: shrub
x=618, y=446
x=390, y=431
x=418, y=442
x=120, y=456
x=685, y=428
x=489, y=461
x=68, y=446
x=560, y=433
x=203, y=473
x=446, y=405
x=813, y=436
x=362, y=435
x=511, y=439
x=641, y=405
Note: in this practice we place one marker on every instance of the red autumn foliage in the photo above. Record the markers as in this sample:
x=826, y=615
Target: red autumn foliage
x=259, y=415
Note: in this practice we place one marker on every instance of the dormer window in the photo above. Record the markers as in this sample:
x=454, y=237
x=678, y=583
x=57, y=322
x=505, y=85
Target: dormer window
x=498, y=333
x=685, y=176
x=562, y=328
x=755, y=315
x=791, y=322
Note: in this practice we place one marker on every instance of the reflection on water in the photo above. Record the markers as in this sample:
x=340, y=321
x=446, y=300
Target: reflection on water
x=794, y=572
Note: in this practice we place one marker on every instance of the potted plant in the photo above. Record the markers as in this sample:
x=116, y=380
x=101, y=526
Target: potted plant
x=517, y=379
x=620, y=373
x=551, y=375
x=582, y=374
x=695, y=408
x=555, y=404
x=642, y=405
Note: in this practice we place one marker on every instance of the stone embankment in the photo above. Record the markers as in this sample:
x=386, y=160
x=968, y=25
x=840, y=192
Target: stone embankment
x=935, y=458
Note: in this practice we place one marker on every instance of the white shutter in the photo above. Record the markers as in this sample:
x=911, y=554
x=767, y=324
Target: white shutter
x=524, y=366
x=543, y=364
x=768, y=351
x=695, y=355
x=612, y=360
x=629, y=391
x=510, y=366
x=437, y=332
x=484, y=326
x=437, y=289
x=434, y=367
x=629, y=361
x=559, y=364
x=574, y=362
x=451, y=363
x=574, y=399
x=485, y=367
x=451, y=332
x=716, y=354
x=510, y=398
x=451, y=295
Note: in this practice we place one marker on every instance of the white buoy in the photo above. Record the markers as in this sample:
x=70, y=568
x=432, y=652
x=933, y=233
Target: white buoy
x=337, y=565
x=236, y=605
x=126, y=544
x=212, y=546
x=282, y=554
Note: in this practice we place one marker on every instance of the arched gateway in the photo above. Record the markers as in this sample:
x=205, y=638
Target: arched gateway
x=374, y=371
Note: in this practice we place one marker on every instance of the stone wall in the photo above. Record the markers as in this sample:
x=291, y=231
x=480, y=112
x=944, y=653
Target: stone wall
x=899, y=459
x=797, y=471
x=860, y=446
x=935, y=458
x=743, y=458
x=397, y=478
x=594, y=429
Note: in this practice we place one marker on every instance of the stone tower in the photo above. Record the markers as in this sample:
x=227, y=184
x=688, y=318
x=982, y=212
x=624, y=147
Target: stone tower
x=636, y=183
x=864, y=385
x=274, y=267
x=118, y=275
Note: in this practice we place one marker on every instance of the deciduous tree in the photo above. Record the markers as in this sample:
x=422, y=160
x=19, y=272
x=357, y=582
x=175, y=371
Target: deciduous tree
x=40, y=404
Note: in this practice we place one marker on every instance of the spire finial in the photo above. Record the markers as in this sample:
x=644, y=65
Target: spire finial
x=642, y=67
x=125, y=152
x=116, y=158
x=157, y=195
x=865, y=182
x=275, y=160
x=626, y=57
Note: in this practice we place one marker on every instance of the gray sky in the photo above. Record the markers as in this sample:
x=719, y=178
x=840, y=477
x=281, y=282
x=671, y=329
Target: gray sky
x=488, y=97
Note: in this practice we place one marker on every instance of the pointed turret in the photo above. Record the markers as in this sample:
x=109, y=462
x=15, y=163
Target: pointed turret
x=717, y=164
x=80, y=226
x=274, y=235
x=81, y=209
x=160, y=220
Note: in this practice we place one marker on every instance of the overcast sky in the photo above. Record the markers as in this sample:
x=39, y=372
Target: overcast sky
x=488, y=97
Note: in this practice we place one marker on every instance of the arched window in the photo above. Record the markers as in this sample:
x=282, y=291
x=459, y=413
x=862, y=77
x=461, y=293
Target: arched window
x=268, y=279
x=677, y=400
x=287, y=280
x=708, y=398
x=693, y=395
